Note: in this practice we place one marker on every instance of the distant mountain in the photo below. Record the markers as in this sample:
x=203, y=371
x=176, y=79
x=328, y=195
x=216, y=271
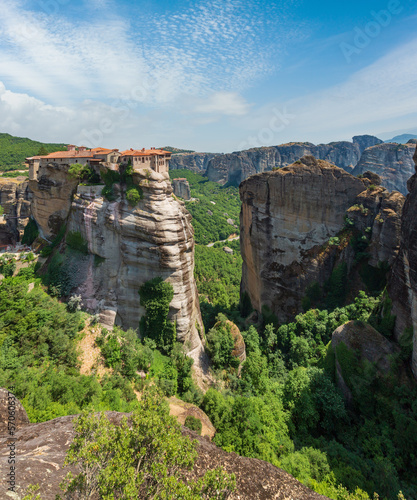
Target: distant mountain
x=176, y=150
x=403, y=138
x=14, y=150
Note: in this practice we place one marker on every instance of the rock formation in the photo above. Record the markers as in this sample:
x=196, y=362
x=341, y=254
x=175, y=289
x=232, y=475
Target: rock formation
x=42, y=448
x=15, y=200
x=287, y=219
x=367, y=344
x=122, y=247
x=402, y=286
x=233, y=168
x=392, y=162
x=196, y=162
x=181, y=188
x=366, y=141
x=52, y=195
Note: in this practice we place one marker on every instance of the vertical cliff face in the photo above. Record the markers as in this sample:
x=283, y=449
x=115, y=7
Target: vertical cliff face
x=121, y=247
x=52, y=195
x=196, y=162
x=402, y=286
x=366, y=141
x=287, y=219
x=15, y=199
x=287, y=216
x=181, y=188
x=392, y=162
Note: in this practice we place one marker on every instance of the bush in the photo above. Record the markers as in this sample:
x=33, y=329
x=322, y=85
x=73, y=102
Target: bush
x=133, y=196
x=142, y=458
x=193, y=424
x=76, y=241
x=31, y=232
x=155, y=296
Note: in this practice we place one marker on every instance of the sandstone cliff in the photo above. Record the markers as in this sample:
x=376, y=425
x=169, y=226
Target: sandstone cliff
x=366, y=141
x=181, y=188
x=42, y=448
x=392, y=162
x=15, y=199
x=197, y=162
x=287, y=219
x=233, y=168
x=402, y=286
x=120, y=248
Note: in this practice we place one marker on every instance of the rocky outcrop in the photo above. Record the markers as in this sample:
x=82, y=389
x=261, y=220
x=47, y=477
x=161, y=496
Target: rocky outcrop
x=12, y=414
x=392, y=162
x=52, y=197
x=367, y=344
x=402, y=286
x=196, y=162
x=376, y=213
x=15, y=200
x=181, y=188
x=287, y=219
x=42, y=447
x=366, y=141
x=121, y=247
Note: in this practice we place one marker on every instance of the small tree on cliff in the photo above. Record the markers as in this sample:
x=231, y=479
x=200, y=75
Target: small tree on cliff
x=145, y=457
x=155, y=296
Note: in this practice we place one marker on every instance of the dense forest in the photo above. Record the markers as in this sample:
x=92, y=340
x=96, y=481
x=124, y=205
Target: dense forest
x=14, y=150
x=212, y=206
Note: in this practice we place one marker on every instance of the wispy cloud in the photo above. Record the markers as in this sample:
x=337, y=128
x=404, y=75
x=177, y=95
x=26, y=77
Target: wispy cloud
x=215, y=46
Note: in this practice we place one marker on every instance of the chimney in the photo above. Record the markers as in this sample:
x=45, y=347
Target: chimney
x=71, y=147
x=82, y=148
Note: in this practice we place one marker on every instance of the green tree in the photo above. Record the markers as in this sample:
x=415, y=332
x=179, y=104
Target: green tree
x=42, y=151
x=155, y=296
x=145, y=457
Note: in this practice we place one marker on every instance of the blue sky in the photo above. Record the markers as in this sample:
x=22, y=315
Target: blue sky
x=214, y=75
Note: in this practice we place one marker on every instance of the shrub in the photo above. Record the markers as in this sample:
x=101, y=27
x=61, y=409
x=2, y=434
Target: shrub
x=194, y=424
x=76, y=241
x=133, y=196
x=31, y=232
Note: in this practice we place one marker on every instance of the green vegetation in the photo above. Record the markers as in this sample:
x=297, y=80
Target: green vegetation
x=177, y=150
x=220, y=344
x=14, y=151
x=155, y=296
x=218, y=276
x=76, y=241
x=193, y=423
x=14, y=174
x=31, y=232
x=210, y=219
x=144, y=457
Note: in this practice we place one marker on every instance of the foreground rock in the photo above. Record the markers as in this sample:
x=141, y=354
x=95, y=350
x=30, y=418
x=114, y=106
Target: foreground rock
x=287, y=219
x=41, y=450
x=402, y=286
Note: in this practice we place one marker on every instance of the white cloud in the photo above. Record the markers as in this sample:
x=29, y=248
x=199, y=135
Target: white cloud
x=215, y=46
x=223, y=103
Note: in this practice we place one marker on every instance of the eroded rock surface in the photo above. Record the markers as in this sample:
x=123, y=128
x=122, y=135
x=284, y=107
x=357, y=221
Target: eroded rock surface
x=196, y=162
x=287, y=219
x=392, y=162
x=15, y=199
x=402, y=286
x=181, y=188
x=52, y=196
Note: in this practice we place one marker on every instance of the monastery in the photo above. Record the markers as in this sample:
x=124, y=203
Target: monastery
x=155, y=159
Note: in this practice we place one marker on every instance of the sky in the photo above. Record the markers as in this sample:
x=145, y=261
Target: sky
x=212, y=75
